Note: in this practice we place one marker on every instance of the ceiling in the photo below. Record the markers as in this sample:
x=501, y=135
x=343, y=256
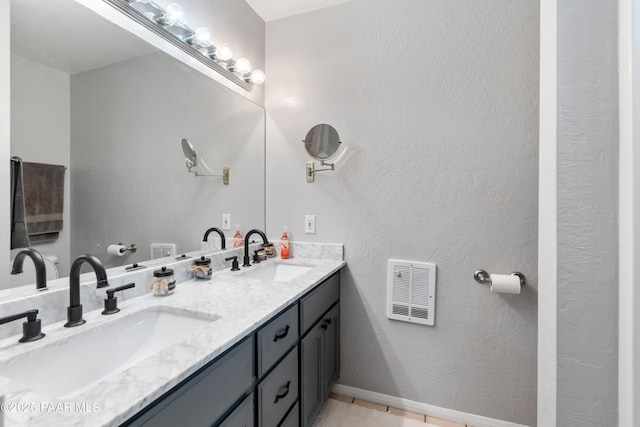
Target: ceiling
x=276, y=9
x=69, y=37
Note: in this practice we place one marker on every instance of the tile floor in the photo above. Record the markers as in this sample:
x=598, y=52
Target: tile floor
x=370, y=407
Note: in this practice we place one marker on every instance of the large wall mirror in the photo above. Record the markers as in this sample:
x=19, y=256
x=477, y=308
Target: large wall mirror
x=88, y=95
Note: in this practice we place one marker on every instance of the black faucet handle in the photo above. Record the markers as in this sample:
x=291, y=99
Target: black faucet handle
x=234, y=264
x=112, y=291
x=111, y=302
x=256, y=256
x=31, y=329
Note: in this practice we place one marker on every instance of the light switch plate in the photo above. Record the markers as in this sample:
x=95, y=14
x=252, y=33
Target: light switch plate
x=310, y=224
x=226, y=221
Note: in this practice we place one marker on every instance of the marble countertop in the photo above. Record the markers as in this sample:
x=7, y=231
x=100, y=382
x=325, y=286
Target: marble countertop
x=242, y=305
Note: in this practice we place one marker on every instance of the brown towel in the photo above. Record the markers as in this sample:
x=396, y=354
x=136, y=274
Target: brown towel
x=38, y=198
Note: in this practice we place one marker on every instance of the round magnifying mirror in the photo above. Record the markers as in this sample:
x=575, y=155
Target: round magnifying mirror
x=189, y=153
x=322, y=142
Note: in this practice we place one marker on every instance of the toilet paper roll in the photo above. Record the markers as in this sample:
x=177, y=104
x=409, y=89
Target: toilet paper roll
x=117, y=250
x=505, y=283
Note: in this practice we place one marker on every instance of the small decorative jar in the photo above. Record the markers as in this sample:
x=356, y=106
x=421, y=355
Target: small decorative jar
x=201, y=269
x=270, y=251
x=163, y=282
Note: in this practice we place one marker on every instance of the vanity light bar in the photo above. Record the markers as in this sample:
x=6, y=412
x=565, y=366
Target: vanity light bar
x=170, y=25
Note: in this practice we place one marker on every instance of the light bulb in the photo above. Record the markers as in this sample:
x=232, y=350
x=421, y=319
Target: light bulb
x=202, y=37
x=224, y=53
x=257, y=77
x=175, y=15
x=243, y=66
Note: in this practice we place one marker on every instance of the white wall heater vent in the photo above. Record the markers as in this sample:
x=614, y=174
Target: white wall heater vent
x=411, y=291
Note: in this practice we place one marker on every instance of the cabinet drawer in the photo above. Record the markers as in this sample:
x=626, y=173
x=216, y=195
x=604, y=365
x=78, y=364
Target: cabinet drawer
x=242, y=416
x=276, y=338
x=278, y=391
x=313, y=305
x=293, y=419
x=202, y=399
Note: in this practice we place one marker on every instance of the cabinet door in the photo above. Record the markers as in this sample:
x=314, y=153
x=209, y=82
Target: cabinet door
x=311, y=375
x=242, y=416
x=318, y=301
x=330, y=323
x=206, y=396
x=293, y=419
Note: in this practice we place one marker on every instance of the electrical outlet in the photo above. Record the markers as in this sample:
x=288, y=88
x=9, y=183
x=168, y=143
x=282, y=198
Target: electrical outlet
x=310, y=224
x=226, y=221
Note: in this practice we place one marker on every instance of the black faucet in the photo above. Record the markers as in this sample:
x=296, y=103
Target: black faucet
x=31, y=329
x=38, y=261
x=217, y=230
x=74, y=311
x=265, y=243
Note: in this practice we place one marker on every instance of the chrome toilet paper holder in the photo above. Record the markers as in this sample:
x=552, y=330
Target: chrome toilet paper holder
x=132, y=248
x=484, y=278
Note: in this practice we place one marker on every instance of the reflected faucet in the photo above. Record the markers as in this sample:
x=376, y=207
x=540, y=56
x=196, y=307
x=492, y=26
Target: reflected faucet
x=74, y=311
x=265, y=243
x=38, y=261
x=217, y=230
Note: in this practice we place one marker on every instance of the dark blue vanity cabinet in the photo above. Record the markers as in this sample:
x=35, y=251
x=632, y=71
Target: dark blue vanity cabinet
x=207, y=395
x=279, y=376
x=319, y=347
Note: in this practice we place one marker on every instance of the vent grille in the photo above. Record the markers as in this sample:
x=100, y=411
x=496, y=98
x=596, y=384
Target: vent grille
x=411, y=291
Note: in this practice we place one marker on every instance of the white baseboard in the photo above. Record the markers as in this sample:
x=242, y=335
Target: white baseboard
x=422, y=408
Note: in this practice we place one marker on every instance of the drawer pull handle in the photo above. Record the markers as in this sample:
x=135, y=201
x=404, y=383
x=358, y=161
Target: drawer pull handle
x=282, y=335
x=283, y=395
x=325, y=324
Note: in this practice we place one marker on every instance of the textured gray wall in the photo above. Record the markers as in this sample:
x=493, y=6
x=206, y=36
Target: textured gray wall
x=437, y=105
x=40, y=102
x=129, y=182
x=587, y=214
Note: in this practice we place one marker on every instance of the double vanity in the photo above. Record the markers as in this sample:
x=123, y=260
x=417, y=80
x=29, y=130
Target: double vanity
x=255, y=347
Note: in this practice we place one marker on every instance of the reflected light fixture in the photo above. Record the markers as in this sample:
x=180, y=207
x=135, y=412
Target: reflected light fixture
x=175, y=15
x=257, y=77
x=202, y=37
x=170, y=24
x=221, y=53
x=242, y=66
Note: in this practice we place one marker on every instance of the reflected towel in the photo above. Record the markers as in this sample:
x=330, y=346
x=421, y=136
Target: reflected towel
x=38, y=199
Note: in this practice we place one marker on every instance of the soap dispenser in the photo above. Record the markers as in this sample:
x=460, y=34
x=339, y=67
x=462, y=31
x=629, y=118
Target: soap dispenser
x=284, y=244
x=237, y=238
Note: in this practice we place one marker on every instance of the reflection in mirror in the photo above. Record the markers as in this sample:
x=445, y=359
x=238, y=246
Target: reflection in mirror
x=200, y=168
x=322, y=142
x=111, y=108
x=190, y=156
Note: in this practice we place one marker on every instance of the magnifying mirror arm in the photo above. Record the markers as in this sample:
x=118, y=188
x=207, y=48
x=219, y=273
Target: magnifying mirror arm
x=311, y=170
x=325, y=163
x=209, y=172
x=196, y=173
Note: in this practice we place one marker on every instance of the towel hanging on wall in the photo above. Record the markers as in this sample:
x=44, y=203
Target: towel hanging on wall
x=37, y=195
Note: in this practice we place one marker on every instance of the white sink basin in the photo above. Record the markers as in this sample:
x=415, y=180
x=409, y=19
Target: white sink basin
x=279, y=272
x=84, y=360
